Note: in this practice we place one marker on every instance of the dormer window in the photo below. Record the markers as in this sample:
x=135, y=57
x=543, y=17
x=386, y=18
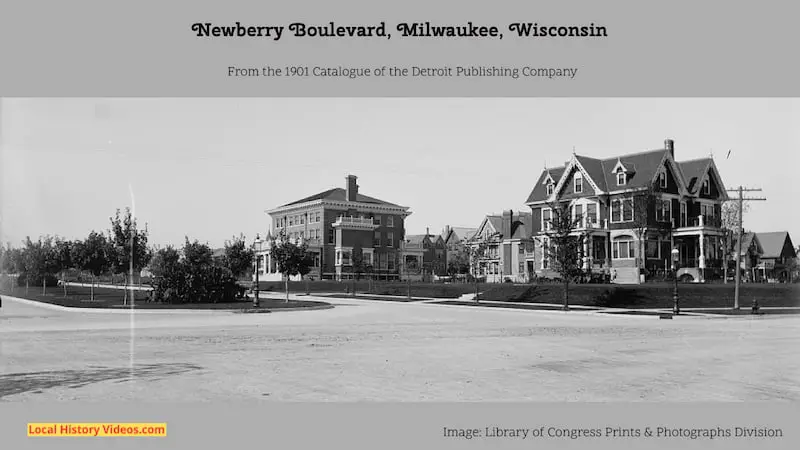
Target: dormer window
x=550, y=188
x=706, y=188
x=621, y=179
x=578, y=183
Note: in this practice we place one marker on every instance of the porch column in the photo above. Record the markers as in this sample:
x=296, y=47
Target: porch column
x=702, y=259
x=587, y=261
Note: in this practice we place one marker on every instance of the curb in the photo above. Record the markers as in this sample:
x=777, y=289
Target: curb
x=153, y=311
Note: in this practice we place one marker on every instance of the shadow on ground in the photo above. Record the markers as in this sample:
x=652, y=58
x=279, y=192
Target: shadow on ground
x=19, y=383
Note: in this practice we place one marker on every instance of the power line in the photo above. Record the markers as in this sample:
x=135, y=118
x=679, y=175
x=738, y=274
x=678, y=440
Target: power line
x=741, y=199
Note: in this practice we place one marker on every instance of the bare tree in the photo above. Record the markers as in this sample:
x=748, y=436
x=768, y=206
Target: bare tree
x=564, y=247
x=646, y=203
x=730, y=225
x=476, y=250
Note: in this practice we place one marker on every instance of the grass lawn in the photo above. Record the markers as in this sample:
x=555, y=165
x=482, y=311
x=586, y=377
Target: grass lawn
x=508, y=306
x=649, y=295
x=79, y=297
x=398, y=288
x=375, y=297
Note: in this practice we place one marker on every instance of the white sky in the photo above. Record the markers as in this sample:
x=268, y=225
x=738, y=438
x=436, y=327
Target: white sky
x=208, y=168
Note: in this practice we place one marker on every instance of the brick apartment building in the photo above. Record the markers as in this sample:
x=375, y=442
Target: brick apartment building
x=336, y=224
x=601, y=192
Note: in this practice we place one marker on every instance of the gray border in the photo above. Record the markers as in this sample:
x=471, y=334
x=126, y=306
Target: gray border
x=712, y=48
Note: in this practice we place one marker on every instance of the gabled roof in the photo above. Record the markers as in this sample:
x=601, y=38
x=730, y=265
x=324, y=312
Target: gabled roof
x=416, y=238
x=748, y=240
x=340, y=195
x=462, y=233
x=693, y=171
x=773, y=244
x=539, y=191
x=641, y=169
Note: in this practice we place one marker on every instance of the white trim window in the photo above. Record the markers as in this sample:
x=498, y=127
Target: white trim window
x=662, y=178
x=376, y=220
x=376, y=239
x=707, y=211
x=664, y=210
x=621, y=210
x=706, y=188
x=390, y=221
x=578, y=183
x=550, y=188
x=684, y=217
x=591, y=213
x=623, y=247
x=547, y=219
x=621, y=178
x=389, y=239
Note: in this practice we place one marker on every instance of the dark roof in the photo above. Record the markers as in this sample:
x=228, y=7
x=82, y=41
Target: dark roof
x=462, y=233
x=747, y=241
x=641, y=167
x=415, y=238
x=693, y=170
x=773, y=244
x=539, y=191
x=522, y=226
x=339, y=194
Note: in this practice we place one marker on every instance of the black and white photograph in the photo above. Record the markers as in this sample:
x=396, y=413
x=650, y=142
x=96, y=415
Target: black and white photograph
x=399, y=249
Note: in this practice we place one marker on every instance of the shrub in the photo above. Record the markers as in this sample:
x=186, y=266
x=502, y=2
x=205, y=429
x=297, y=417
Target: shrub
x=36, y=280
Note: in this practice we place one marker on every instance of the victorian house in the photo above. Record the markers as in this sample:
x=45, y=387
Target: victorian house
x=339, y=225
x=605, y=199
x=507, y=248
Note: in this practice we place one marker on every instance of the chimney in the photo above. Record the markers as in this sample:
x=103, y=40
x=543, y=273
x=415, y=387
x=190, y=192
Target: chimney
x=669, y=145
x=352, y=188
x=508, y=217
x=427, y=231
x=446, y=231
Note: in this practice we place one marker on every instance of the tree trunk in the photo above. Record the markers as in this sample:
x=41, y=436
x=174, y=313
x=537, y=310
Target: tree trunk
x=307, y=290
x=91, y=289
x=354, y=285
x=125, y=296
x=44, y=285
x=64, y=282
x=287, y=288
x=476, y=291
x=566, y=294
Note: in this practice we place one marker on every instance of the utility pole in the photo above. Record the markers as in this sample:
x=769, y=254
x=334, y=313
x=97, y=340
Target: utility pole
x=740, y=203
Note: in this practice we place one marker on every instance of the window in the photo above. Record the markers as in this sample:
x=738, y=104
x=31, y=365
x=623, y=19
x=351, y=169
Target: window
x=706, y=187
x=623, y=248
x=578, y=183
x=317, y=217
x=302, y=219
x=302, y=235
x=591, y=213
x=547, y=217
x=651, y=249
x=627, y=209
x=550, y=188
x=620, y=178
x=345, y=257
x=331, y=236
x=291, y=221
x=390, y=263
x=707, y=211
x=367, y=257
x=683, y=214
x=377, y=220
x=390, y=239
x=578, y=214
x=622, y=210
x=390, y=221
x=662, y=178
x=664, y=211
x=376, y=240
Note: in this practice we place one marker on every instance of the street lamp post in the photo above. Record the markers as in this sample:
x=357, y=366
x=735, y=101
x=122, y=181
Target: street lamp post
x=257, y=267
x=675, y=258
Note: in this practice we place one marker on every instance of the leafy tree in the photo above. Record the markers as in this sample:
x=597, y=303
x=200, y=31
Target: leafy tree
x=164, y=261
x=63, y=259
x=565, y=246
x=459, y=263
x=644, y=210
x=730, y=224
x=197, y=255
x=358, y=267
x=476, y=250
x=91, y=255
x=290, y=258
x=127, y=241
x=238, y=256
